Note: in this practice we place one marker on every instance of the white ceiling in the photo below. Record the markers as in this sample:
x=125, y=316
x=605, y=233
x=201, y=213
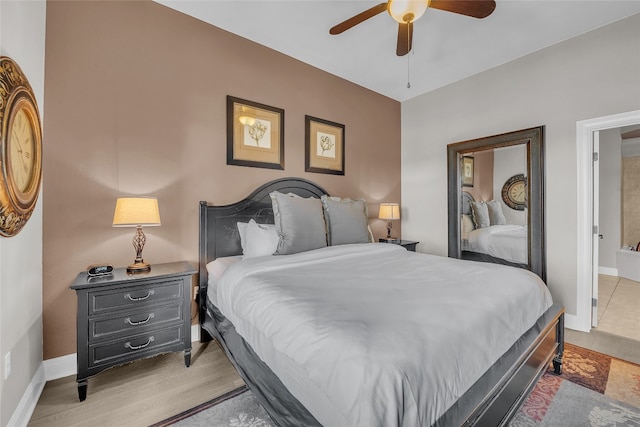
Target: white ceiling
x=446, y=47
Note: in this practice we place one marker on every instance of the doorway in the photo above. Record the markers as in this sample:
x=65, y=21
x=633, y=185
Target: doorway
x=588, y=233
x=616, y=276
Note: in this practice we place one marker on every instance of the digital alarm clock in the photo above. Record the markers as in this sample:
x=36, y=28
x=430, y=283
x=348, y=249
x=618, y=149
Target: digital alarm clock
x=99, y=269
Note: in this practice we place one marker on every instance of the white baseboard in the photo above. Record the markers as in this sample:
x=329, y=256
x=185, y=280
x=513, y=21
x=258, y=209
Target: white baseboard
x=195, y=332
x=24, y=410
x=571, y=322
x=608, y=271
x=60, y=367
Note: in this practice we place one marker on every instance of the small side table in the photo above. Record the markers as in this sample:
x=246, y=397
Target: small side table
x=409, y=245
x=124, y=317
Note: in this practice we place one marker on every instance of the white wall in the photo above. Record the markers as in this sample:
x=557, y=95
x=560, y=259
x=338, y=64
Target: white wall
x=507, y=162
x=592, y=75
x=610, y=166
x=22, y=37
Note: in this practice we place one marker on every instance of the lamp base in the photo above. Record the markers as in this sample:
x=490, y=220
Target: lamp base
x=139, y=267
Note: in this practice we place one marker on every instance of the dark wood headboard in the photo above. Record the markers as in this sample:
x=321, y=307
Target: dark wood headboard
x=466, y=203
x=219, y=235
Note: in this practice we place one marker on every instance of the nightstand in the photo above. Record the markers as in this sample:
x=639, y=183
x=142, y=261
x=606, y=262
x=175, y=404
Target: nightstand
x=125, y=317
x=409, y=245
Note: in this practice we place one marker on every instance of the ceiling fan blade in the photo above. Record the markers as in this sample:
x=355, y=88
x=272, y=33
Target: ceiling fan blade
x=361, y=17
x=405, y=38
x=473, y=8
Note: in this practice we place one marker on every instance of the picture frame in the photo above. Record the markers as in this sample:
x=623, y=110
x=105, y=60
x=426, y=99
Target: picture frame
x=255, y=134
x=467, y=171
x=324, y=146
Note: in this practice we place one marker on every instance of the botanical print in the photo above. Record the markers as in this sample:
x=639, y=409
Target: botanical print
x=468, y=171
x=258, y=134
x=326, y=145
x=255, y=134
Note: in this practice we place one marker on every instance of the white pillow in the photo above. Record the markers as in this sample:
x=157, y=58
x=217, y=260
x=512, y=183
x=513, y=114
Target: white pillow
x=257, y=239
x=467, y=224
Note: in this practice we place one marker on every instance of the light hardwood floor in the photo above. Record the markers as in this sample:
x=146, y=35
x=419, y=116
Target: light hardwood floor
x=139, y=393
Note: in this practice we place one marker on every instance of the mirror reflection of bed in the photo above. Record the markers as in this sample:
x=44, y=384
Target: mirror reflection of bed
x=504, y=176
x=493, y=227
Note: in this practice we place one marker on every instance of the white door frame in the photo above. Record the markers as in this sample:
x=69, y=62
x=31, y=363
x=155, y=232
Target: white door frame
x=584, y=134
x=595, y=237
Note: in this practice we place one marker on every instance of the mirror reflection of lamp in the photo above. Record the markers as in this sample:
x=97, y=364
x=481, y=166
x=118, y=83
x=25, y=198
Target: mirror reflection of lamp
x=137, y=212
x=247, y=120
x=245, y=117
x=389, y=212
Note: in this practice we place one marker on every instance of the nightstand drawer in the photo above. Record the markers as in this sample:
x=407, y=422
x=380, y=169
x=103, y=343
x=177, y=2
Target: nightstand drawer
x=134, y=296
x=135, y=346
x=134, y=322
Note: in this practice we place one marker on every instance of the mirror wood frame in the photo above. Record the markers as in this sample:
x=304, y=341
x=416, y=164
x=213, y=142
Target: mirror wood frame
x=533, y=138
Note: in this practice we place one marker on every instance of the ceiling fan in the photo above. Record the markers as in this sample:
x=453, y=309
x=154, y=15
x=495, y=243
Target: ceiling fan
x=406, y=12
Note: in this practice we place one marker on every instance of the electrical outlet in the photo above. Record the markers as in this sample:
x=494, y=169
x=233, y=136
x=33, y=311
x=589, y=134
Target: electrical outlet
x=196, y=289
x=7, y=365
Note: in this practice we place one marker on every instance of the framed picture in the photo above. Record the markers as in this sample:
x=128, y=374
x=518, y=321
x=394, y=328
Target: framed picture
x=324, y=146
x=467, y=171
x=255, y=134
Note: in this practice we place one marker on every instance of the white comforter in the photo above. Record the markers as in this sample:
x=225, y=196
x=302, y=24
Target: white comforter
x=373, y=335
x=501, y=241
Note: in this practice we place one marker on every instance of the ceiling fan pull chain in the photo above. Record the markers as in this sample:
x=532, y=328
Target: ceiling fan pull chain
x=409, y=70
x=409, y=35
x=408, y=73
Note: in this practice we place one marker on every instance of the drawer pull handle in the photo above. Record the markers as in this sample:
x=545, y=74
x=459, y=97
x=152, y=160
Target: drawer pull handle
x=138, y=347
x=130, y=298
x=141, y=322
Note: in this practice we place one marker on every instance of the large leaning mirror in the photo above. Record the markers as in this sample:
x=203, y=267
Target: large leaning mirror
x=496, y=199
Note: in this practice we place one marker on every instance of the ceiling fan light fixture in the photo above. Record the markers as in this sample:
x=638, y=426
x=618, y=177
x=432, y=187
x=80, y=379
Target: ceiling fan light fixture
x=405, y=11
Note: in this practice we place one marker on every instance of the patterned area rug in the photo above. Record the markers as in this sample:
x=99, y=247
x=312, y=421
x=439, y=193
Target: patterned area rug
x=593, y=390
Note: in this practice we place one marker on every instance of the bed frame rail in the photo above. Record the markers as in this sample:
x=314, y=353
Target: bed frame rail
x=497, y=395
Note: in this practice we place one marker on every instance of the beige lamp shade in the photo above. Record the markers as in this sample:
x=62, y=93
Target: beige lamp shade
x=389, y=211
x=136, y=211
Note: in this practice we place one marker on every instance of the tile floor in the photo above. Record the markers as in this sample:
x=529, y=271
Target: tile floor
x=619, y=306
x=618, y=331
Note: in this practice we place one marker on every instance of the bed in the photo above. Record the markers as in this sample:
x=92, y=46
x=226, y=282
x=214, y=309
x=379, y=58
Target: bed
x=501, y=244
x=296, y=391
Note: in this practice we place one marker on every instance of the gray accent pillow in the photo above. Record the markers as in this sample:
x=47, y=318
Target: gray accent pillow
x=346, y=220
x=299, y=223
x=480, y=214
x=496, y=216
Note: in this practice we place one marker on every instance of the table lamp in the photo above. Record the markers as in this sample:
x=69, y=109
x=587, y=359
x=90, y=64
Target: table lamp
x=389, y=212
x=137, y=212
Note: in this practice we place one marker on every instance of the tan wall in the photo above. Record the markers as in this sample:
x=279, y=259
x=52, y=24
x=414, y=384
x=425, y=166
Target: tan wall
x=482, y=176
x=631, y=201
x=135, y=104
